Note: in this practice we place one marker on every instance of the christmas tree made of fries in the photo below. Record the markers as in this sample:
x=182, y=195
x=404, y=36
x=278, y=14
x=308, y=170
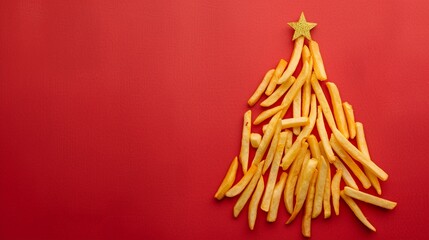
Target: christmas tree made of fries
x=302, y=161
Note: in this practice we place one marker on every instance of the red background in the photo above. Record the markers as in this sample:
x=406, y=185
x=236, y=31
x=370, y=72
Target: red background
x=118, y=119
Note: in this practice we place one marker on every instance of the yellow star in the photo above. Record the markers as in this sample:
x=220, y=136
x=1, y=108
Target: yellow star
x=302, y=28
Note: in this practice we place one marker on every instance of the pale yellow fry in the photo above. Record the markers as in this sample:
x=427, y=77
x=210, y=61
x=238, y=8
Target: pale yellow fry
x=275, y=200
x=368, y=198
x=327, y=195
x=261, y=88
x=247, y=193
x=291, y=122
x=297, y=111
x=294, y=60
x=347, y=177
x=335, y=188
x=289, y=140
x=267, y=114
x=337, y=106
x=244, y=151
x=293, y=177
x=356, y=210
x=356, y=154
x=324, y=136
x=255, y=139
x=320, y=187
x=350, y=117
x=277, y=73
x=276, y=95
x=314, y=146
x=304, y=164
x=254, y=202
x=302, y=192
x=266, y=139
x=228, y=180
x=272, y=177
x=321, y=98
x=291, y=154
x=272, y=149
x=305, y=53
x=306, y=219
x=239, y=187
x=319, y=68
x=363, y=147
x=345, y=157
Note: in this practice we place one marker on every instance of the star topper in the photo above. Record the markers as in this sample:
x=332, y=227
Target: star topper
x=302, y=27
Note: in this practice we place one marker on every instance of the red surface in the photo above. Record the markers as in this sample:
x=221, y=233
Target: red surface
x=118, y=119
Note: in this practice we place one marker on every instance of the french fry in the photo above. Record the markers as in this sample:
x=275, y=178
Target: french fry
x=337, y=106
x=261, y=88
x=335, y=188
x=356, y=210
x=304, y=164
x=306, y=92
x=327, y=195
x=293, y=151
x=267, y=114
x=272, y=177
x=255, y=139
x=319, y=68
x=361, y=143
x=306, y=220
x=305, y=53
x=314, y=146
x=254, y=202
x=239, y=187
x=289, y=140
x=293, y=177
x=368, y=198
x=297, y=111
x=324, y=136
x=277, y=73
x=350, y=117
x=320, y=187
x=228, y=180
x=276, y=95
x=345, y=157
x=323, y=102
x=244, y=151
x=275, y=200
x=266, y=139
x=302, y=192
x=347, y=177
x=294, y=59
x=356, y=154
x=272, y=149
x=247, y=193
x=291, y=122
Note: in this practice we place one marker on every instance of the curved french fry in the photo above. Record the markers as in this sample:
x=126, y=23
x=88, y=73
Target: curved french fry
x=356, y=210
x=247, y=193
x=254, y=202
x=228, y=180
x=261, y=88
x=294, y=60
x=335, y=188
x=244, y=151
x=350, y=117
x=239, y=187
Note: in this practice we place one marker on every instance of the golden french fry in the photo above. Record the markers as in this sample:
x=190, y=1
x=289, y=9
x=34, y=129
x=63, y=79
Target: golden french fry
x=327, y=195
x=306, y=220
x=337, y=106
x=356, y=154
x=291, y=122
x=272, y=177
x=368, y=198
x=297, y=111
x=302, y=192
x=277, y=73
x=289, y=140
x=266, y=139
x=254, y=202
x=314, y=146
x=228, y=180
x=321, y=98
x=239, y=187
x=319, y=68
x=247, y=193
x=350, y=117
x=272, y=149
x=275, y=200
x=362, y=146
x=306, y=92
x=324, y=136
x=347, y=177
x=304, y=164
x=320, y=187
x=267, y=114
x=356, y=210
x=345, y=157
x=335, y=188
x=305, y=53
x=278, y=93
x=293, y=177
x=261, y=88
x=292, y=152
x=294, y=60
x=244, y=151
x=255, y=139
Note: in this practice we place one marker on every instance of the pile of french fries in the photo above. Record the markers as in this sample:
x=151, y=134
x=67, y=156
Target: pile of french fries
x=294, y=156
